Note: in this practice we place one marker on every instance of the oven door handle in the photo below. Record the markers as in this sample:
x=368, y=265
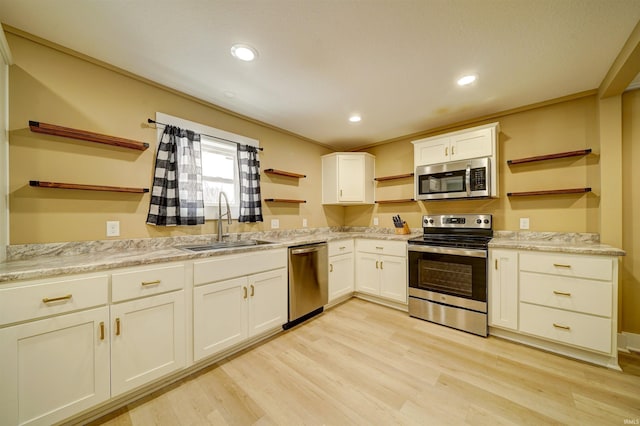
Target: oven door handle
x=447, y=250
x=467, y=179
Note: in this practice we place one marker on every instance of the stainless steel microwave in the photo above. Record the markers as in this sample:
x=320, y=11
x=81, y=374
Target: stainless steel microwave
x=459, y=179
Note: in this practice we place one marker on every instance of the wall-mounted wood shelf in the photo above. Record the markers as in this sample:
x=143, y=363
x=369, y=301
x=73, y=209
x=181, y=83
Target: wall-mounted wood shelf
x=60, y=185
x=283, y=173
x=395, y=177
x=52, y=129
x=284, y=200
x=549, y=192
x=550, y=156
x=405, y=200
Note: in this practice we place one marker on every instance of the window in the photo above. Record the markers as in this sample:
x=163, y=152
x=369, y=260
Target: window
x=219, y=173
x=219, y=163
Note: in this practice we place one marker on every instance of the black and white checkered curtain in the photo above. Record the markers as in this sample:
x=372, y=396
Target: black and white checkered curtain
x=176, y=197
x=249, y=166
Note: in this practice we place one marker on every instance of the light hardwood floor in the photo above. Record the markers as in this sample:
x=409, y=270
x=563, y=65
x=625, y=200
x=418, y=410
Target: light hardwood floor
x=364, y=364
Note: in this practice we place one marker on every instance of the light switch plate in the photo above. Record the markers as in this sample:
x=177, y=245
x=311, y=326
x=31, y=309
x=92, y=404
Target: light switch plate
x=376, y=222
x=524, y=223
x=304, y=223
x=275, y=223
x=113, y=228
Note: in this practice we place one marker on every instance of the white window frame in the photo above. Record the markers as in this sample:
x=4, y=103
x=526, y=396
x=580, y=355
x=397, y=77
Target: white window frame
x=210, y=209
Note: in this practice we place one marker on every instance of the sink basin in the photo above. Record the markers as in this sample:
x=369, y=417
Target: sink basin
x=224, y=245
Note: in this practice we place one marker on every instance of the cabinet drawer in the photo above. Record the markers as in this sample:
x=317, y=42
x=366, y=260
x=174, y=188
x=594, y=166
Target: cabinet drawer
x=340, y=247
x=594, y=267
x=237, y=265
x=137, y=283
x=51, y=297
x=573, y=294
x=391, y=248
x=573, y=328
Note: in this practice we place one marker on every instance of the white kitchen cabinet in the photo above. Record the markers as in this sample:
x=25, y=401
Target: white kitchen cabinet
x=564, y=303
x=57, y=362
x=381, y=269
x=462, y=145
x=147, y=340
x=341, y=269
x=348, y=178
x=228, y=309
x=503, y=289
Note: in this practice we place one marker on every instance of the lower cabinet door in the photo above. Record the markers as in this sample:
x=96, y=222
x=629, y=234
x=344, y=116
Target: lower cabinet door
x=219, y=316
x=147, y=340
x=367, y=273
x=54, y=368
x=340, y=276
x=393, y=278
x=267, y=301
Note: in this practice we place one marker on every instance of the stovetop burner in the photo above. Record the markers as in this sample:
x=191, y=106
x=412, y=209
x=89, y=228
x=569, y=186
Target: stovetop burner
x=473, y=231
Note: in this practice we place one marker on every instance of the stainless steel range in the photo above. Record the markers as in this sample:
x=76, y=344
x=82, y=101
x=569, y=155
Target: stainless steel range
x=448, y=271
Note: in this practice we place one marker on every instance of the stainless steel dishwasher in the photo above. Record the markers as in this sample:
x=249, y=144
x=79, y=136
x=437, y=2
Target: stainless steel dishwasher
x=308, y=282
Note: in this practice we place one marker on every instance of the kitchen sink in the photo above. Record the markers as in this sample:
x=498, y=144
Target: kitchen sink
x=224, y=245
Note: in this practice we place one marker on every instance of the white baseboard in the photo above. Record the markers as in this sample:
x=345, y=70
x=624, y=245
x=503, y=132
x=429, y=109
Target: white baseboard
x=628, y=342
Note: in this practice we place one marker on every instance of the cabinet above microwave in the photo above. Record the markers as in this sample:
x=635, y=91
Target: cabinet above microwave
x=473, y=143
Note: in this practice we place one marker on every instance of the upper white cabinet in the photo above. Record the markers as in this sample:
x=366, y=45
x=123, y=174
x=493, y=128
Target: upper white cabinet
x=348, y=178
x=462, y=145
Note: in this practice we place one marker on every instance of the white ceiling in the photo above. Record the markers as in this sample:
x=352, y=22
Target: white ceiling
x=393, y=61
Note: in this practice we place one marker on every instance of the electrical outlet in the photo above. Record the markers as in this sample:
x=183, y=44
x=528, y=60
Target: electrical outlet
x=113, y=228
x=304, y=223
x=524, y=223
x=275, y=223
x=376, y=222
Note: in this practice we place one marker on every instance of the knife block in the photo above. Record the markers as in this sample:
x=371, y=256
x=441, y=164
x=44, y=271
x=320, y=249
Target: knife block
x=404, y=230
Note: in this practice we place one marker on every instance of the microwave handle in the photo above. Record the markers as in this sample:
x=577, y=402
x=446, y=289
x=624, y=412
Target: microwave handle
x=467, y=178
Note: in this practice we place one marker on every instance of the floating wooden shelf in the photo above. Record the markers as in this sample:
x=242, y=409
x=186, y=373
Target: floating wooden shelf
x=383, y=178
x=406, y=200
x=52, y=129
x=283, y=173
x=61, y=185
x=550, y=192
x=283, y=200
x=550, y=156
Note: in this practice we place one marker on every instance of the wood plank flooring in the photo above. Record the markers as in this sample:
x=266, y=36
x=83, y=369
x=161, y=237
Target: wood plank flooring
x=364, y=364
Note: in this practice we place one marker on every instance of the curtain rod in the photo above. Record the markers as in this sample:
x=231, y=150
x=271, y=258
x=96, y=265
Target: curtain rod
x=150, y=121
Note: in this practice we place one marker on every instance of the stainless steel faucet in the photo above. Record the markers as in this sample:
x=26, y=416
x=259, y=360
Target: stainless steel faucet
x=220, y=215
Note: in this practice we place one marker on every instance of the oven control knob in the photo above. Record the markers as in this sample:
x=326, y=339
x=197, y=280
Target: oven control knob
x=478, y=221
x=486, y=221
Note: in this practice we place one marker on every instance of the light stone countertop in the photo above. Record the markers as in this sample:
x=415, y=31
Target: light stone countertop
x=555, y=242
x=34, y=261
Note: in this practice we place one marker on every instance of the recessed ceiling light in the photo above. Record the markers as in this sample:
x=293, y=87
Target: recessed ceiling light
x=244, y=52
x=355, y=118
x=467, y=79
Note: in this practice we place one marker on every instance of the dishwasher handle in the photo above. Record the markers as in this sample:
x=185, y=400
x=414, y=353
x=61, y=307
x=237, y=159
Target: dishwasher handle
x=306, y=250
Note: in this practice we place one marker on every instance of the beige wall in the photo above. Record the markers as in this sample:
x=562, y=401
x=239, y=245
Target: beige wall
x=50, y=86
x=631, y=211
x=564, y=126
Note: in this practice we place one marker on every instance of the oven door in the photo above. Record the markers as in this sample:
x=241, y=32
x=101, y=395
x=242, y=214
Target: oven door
x=451, y=276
